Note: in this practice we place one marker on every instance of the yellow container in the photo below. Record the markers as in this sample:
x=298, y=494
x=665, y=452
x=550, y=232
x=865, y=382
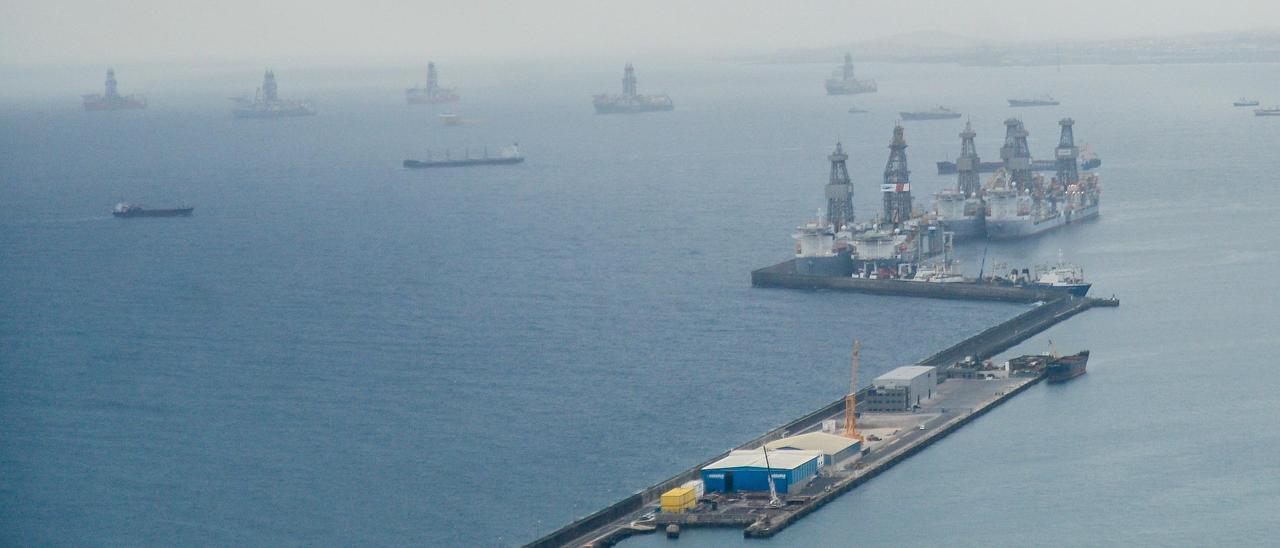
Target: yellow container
x=679, y=499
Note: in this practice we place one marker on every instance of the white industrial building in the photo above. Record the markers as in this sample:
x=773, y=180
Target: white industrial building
x=902, y=388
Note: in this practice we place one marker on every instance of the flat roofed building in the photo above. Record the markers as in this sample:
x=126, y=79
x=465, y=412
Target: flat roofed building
x=834, y=448
x=745, y=470
x=902, y=388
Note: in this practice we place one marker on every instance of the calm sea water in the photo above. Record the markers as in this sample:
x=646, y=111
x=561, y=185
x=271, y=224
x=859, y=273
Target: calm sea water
x=336, y=351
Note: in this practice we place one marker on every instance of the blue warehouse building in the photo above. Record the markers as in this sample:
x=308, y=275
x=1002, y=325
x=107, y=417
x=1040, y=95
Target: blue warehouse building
x=745, y=470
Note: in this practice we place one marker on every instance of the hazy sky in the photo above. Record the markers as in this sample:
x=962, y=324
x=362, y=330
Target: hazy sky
x=103, y=31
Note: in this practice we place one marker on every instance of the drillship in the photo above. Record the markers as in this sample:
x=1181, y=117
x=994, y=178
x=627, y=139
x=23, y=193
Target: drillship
x=630, y=101
x=267, y=104
x=432, y=93
x=1020, y=204
x=960, y=210
x=111, y=98
x=842, y=81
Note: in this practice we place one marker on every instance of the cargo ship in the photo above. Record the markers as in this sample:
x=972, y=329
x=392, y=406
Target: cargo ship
x=630, y=102
x=111, y=99
x=842, y=81
x=1270, y=111
x=939, y=113
x=126, y=210
x=1066, y=367
x=1243, y=102
x=267, y=103
x=505, y=156
x=432, y=93
x=1041, y=101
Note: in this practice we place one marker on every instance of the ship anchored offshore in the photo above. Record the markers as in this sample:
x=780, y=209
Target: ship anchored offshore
x=1016, y=203
x=431, y=94
x=842, y=81
x=630, y=101
x=111, y=99
x=268, y=104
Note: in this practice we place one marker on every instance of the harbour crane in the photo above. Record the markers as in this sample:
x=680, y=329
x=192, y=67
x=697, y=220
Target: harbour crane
x=851, y=401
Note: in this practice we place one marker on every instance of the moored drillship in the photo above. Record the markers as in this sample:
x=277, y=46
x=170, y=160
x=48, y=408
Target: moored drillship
x=960, y=210
x=1021, y=205
x=111, y=99
x=842, y=81
x=127, y=210
x=1066, y=367
x=266, y=103
x=629, y=101
x=432, y=93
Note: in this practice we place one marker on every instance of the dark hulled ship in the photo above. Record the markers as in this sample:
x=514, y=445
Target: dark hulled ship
x=1067, y=367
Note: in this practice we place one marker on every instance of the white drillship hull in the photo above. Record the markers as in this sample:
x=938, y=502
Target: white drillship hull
x=1025, y=226
x=965, y=228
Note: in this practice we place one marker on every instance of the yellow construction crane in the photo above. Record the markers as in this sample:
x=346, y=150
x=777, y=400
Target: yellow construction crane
x=851, y=401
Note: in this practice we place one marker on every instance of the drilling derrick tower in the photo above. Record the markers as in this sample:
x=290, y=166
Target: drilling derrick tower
x=629, y=80
x=847, y=70
x=269, y=92
x=968, y=162
x=433, y=79
x=839, y=191
x=1067, y=155
x=112, y=91
x=1016, y=154
x=897, y=181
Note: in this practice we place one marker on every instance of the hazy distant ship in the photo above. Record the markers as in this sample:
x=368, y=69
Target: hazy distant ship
x=842, y=81
x=940, y=113
x=1243, y=102
x=111, y=99
x=1041, y=101
x=1270, y=111
x=506, y=155
x=630, y=101
x=432, y=93
x=450, y=119
x=125, y=210
x=268, y=104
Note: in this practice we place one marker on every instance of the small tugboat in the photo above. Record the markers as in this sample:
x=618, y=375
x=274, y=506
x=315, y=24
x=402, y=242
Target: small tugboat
x=1066, y=367
x=940, y=113
x=126, y=211
x=1243, y=102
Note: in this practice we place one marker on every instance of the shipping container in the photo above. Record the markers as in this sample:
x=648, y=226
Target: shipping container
x=679, y=499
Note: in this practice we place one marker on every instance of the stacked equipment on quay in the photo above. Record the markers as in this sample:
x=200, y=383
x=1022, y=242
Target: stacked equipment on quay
x=111, y=99
x=842, y=81
x=266, y=103
x=630, y=101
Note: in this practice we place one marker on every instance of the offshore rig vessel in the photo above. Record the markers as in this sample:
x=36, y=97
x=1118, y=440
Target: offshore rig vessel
x=266, y=103
x=1022, y=204
x=432, y=93
x=630, y=101
x=842, y=81
x=111, y=99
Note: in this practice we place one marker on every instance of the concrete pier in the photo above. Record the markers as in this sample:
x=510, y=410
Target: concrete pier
x=958, y=403
x=791, y=274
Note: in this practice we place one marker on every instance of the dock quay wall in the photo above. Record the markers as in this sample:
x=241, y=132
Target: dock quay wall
x=789, y=274
x=983, y=345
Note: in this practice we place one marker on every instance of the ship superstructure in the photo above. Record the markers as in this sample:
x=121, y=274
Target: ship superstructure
x=267, y=103
x=111, y=99
x=433, y=92
x=630, y=101
x=843, y=82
